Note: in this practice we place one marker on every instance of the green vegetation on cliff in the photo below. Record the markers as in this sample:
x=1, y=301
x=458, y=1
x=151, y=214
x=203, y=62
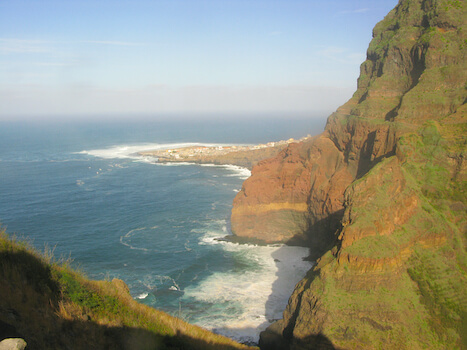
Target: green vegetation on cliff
x=396, y=277
x=52, y=306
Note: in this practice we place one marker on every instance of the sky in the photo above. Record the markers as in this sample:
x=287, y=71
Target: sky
x=74, y=58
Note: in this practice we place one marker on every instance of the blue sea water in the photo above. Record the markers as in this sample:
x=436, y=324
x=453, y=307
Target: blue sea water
x=81, y=188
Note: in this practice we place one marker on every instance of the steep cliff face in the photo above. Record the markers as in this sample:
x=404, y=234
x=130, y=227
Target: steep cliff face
x=380, y=196
x=274, y=204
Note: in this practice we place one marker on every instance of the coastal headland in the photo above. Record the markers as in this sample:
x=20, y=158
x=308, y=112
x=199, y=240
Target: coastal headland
x=245, y=156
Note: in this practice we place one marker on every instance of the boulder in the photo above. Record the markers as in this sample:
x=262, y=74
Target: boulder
x=13, y=344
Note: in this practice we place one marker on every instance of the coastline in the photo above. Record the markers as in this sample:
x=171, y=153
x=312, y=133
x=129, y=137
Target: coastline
x=263, y=291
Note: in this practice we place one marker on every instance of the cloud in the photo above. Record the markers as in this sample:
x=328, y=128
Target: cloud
x=342, y=55
x=363, y=10
x=275, y=33
x=331, y=51
x=29, y=46
x=12, y=45
x=90, y=99
x=53, y=64
x=360, y=10
x=112, y=43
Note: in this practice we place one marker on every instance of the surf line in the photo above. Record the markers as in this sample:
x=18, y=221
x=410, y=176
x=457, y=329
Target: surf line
x=125, y=239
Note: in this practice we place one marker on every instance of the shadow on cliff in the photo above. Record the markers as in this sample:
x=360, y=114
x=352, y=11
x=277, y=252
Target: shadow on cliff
x=365, y=161
x=313, y=342
x=280, y=337
x=320, y=236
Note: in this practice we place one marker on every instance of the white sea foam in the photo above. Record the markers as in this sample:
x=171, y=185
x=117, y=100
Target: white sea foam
x=126, y=240
x=176, y=164
x=235, y=170
x=142, y=296
x=131, y=150
x=173, y=287
x=260, y=292
x=238, y=171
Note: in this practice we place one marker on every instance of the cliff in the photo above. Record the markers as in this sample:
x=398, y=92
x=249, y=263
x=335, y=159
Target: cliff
x=379, y=196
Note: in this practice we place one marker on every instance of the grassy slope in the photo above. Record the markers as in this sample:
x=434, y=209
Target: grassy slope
x=53, y=306
x=440, y=274
x=417, y=300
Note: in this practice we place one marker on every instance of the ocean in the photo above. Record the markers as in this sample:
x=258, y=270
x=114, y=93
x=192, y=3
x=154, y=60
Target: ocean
x=81, y=188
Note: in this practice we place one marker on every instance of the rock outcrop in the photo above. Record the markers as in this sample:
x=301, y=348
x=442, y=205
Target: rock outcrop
x=379, y=196
x=13, y=344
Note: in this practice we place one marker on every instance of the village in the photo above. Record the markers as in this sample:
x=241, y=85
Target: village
x=197, y=152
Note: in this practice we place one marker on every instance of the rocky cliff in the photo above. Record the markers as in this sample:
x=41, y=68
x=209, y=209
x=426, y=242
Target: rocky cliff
x=379, y=196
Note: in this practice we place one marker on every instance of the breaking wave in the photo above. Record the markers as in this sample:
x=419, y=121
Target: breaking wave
x=256, y=290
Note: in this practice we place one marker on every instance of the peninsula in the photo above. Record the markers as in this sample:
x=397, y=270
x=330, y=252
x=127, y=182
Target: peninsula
x=245, y=156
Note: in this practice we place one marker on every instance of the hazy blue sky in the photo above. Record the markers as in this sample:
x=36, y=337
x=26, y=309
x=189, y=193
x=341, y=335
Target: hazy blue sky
x=64, y=57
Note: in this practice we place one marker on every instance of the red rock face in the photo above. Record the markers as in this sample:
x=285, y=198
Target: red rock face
x=297, y=197
x=272, y=205
x=411, y=75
